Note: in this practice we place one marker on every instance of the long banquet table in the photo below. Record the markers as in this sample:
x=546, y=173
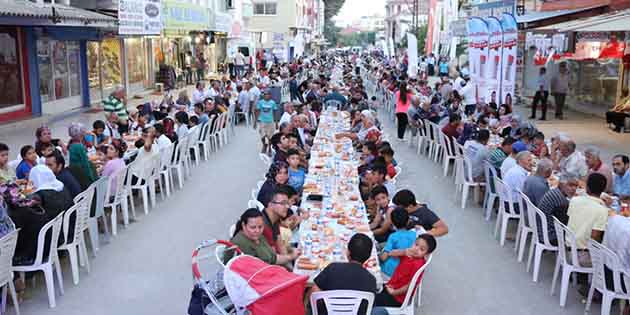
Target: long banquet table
x=331, y=222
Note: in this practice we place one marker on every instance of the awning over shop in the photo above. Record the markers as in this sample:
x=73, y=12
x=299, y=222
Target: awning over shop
x=54, y=14
x=536, y=17
x=610, y=22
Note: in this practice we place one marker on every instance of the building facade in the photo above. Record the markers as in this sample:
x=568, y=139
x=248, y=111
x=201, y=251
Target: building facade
x=399, y=15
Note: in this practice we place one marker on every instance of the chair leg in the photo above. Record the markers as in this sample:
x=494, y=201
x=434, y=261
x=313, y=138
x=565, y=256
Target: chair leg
x=50, y=284
x=537, y=260
x=74, y=264
x=531, y=254
x=465, y=191
x=4, y=298
x=556, y=271
x=490, y=206
x=498, y=223
x=180, y=178
x=564, y=286
x=114, y=218
x=14, y=298
x=93, y=233
x=504, y=225
x=145, y=199
x=522, y=244
x=519, y=231
x=84, y=258
x=133, y=206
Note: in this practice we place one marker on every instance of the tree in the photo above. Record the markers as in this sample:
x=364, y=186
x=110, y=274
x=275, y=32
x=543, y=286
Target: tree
x=331, y=8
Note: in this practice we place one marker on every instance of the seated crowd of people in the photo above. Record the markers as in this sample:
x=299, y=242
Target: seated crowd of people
x=404, y=230
x=587, y=194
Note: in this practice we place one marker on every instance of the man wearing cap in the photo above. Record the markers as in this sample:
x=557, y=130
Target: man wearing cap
x=264, y=116
x=510, y=161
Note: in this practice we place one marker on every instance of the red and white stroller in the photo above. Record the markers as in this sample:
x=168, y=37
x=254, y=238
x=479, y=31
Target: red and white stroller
x=246, y=285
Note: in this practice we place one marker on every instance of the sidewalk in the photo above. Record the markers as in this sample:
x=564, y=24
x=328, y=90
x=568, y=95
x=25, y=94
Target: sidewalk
x=19, y=133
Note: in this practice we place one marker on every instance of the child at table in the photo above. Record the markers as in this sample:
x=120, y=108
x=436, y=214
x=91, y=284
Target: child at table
x=47, y=149
x=395, y=289
x=397, y=242
x=29, y=160
x=388, y=155
x=296, y=173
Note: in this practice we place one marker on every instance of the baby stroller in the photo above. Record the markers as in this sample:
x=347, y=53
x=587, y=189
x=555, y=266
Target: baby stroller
x=253, y=287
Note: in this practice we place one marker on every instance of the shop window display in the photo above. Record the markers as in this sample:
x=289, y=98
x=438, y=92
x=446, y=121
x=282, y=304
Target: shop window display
x=11, y=92
x=110, y=63
x=59, y=71
x=596, y=81
x=136, y=62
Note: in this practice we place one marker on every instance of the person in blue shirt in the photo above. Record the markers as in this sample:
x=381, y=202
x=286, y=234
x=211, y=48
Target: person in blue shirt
x=203, y=116
x=264, y=117
x=296, y=173
x=621, y=176
x=397, y=242
x=98, y=132
x=444, y=68
x=29, y=160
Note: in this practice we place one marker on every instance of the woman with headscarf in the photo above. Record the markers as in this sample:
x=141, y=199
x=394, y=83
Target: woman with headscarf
x=512, y=130
x=51, y=199
x=76, y=132
x=80, y=166
x=43, y=137
x=278, y=174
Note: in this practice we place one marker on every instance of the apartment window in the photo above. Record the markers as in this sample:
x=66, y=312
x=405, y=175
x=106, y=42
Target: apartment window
x=265, y=8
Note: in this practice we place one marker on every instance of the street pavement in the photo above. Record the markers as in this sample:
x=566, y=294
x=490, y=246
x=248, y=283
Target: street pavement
x=146, y=268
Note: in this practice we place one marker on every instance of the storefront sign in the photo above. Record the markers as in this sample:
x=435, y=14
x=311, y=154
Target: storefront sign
x=139, y=17
x=184, y=16
x=478, y=55
x=495, y=54
x=493, y=8
x=509, y=56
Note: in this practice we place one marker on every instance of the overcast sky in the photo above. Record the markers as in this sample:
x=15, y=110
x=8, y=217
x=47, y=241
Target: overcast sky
x=354, y=9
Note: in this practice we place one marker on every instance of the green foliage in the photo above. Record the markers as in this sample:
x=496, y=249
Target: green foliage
x=331, y=32
x=362, y=39
x=421, y=35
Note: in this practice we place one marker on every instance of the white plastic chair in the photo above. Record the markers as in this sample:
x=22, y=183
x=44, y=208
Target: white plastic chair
x=566, y=244
x=165, y=169
x=265, y=158
x=601, y=256
x=505, y=213
x=222, y=129
x=342, y=302
x=178, y=162
x=100, y=187
x=75, y=246
x=422, y=136
x=464, y=179
x=408, y=307
x=398, y=171
x=146, y=172
x=525, y=226
x=491, y=189
x=435, y=137
x=118, y=195
x=449, y=152
x=203, y=141
x=538, y=221
x=7, y=249
x=193, y=144
x=45, y=262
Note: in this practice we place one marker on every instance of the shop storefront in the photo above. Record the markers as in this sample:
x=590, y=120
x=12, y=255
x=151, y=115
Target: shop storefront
x=13, y=81
x=104, y=67
x=181, y=20
x=220, y=29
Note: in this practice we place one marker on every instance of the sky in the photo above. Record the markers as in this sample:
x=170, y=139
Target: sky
x=354, y=9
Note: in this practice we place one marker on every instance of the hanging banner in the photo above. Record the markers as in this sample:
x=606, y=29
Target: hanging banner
x=139, y=17
x=495, y=54
x=184, y=17
x=412, y=54
x=478, y=55
x=510, y=40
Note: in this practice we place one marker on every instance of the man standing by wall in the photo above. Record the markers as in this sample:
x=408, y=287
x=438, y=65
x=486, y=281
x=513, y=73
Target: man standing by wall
x=559, y=89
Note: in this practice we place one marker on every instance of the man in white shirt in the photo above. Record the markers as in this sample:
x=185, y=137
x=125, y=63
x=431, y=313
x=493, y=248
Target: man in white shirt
x=468, y=97
x=516, y=176
x=198, y=95
x=239, y=63
x=510, y=161
x=617, y=236
x=570, y=161
x=214, y=90
x=477, y=152
x=463, y=77
x=288, y=113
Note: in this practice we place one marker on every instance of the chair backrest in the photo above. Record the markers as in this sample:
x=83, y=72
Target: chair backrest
x=266, y=159
x=81, y=211
x=54, y=227
x=528, y=214
x=602, y=256
x=193, y=136
x=180, y=151
x=415, y=284
x=490, y=175
x=467, y=168
x=7, y=249
x=205, y=130
x=447, y=143
x=459, y=149
x=100, y=193
x=255, y=204
x=342, y=301
x=165, y=156
x=116, y=191
x=566, y=242
x=505, y=195
x=434, y=130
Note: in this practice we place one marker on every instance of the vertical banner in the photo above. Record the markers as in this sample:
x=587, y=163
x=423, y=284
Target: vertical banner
x=495, y=56
x=510, y=40
x=412, y=54
x=478, y=57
